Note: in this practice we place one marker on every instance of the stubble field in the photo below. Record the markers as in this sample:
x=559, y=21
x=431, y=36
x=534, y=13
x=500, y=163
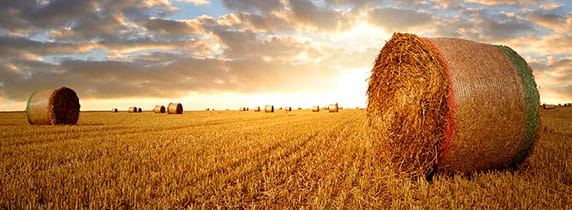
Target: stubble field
x=251, y=159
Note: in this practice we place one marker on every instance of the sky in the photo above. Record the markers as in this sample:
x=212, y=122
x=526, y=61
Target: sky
x=232, y=53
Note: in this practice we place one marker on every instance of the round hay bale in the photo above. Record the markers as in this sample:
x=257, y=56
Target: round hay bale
x=114, y=110
x=175, y=108
x=288, y=109
x=207, y=109
x=333, y=107
x=548, y=106
x=299, y=108
x=139, y=110
x=132, y=109
x=257, y=109
x=53, y=107
x=269, y=108
x=316, y=109
x=159, y=109
x=452, y=105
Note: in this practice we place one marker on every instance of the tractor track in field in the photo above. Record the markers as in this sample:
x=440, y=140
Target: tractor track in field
x=292, y=159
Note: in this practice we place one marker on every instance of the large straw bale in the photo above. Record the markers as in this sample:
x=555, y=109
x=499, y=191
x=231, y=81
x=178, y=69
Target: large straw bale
x=53, y=107
x=159, y=109
x=269, y=108
x=175, y=108
x=452, y=105
x=316, y=109
x=333, y=107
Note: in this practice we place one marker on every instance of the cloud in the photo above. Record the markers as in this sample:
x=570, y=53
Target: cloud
x=261, y=23
x=195, y=2
x=551, y=20
x=11, y=46
x=170, y=27
x=505, y=2
x=306, y=14
x=253, y=5
x=398, y=20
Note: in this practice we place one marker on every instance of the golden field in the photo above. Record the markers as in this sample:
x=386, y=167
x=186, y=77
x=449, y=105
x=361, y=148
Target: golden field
x=252, y=159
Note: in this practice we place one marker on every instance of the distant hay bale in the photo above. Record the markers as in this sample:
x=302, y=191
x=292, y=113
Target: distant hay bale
x=269, y=108
x=452, y=105
x=299, y=108
x=159, y=109
x=139, y=110
x=175, y=108
x=288, y=109
x=132, y=109
x=548, y=106
x=207, y=109
x=53, y=107
x=316, y=109
x=257, y=109
x=333, y=107
x=114, y=110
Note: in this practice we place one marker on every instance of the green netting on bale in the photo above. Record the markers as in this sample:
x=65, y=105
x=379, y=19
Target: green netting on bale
x=530, y=105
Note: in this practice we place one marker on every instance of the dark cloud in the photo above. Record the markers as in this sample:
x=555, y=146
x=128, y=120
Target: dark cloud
x=90, y=27
x=253, y=5
x=265, y=23
x=498, y=28
x=170, y=27
x=245, y=43
x=29, y=14
x=305, y=12
x=11, y=46
x=396, y=20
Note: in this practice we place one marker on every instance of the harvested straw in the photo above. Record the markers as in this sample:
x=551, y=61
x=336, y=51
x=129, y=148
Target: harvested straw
x=175, y=108
x=132, y=109
x=114, y=110
x=452, y=105
x=207, y=109
x=269, y=108
x=299, y=108
x=159, y=109
x=333, y=107
x=257, y=109
x=53, y=107
x=139, y=110
x=288, y=109
x=316, y=109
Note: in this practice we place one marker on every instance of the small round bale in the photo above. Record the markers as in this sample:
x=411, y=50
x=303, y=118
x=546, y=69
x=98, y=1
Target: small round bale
x=114, y=110
x=333, y=107
x=175, y=108
x=53, y=107
x=132, y=109
x=257, y=109
x=452, y=105
x=139, y=110
x=159, y=109
x=299, y=108
x=288, y=109
x=316, y=109
x=269, y=108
